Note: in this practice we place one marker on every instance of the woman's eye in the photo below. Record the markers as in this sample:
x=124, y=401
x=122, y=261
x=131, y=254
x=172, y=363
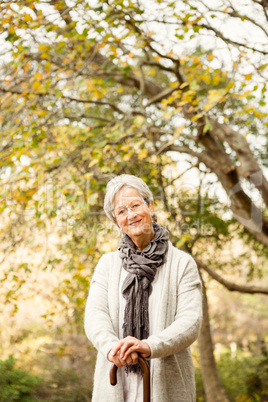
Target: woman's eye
x=121, y=211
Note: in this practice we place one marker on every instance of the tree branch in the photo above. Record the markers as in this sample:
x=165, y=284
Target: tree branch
x=162, y=95
x=68, y=98
x=249, y=168
x=89, y=116
x=233, y=287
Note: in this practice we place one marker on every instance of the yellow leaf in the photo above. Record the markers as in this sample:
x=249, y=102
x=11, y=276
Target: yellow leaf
x=171, y=99
x=127, y=156
x=208, y=106
x=229, y=86
x=88, y=175
x=142, y=154
x=182, y=241
x=36, y=84
x=43, y=47
x=179, y=129
x=196, y=117
x=38, y=75
x=92, y=163
x=126, y=147
x=215, y=95
x=105, y=149
x=248, y=77
x=44, y=55
x=216, y=80
x=27, y=17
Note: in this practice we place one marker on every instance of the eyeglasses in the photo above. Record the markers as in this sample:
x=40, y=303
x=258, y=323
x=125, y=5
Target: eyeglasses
x=134, y=206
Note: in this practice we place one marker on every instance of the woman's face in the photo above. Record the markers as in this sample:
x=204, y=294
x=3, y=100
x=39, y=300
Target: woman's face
x=135, y=221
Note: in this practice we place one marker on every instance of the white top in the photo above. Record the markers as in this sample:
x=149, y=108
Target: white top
x=132, y=383
x=177, y=323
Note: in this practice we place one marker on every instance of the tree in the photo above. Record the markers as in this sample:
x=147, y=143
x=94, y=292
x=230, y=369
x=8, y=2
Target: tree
x=90, y=91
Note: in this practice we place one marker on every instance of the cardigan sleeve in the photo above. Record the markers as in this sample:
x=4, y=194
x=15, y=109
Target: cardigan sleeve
x=184, y=330
x=98, y=325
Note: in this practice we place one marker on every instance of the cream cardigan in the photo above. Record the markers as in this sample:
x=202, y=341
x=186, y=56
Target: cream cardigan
x=179, y=321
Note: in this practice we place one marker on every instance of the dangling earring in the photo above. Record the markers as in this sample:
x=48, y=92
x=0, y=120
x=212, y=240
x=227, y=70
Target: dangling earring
x=154, y=218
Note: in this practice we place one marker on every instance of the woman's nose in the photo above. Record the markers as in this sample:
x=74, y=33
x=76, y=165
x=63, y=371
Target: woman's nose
x=131, y=214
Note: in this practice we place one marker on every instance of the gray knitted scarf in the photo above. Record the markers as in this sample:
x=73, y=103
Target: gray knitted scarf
x=141, y=267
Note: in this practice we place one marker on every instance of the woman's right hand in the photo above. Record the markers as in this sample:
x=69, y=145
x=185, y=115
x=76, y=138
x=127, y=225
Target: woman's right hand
x=116, y=359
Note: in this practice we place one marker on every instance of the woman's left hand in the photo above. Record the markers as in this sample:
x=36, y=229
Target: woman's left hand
x=129, y=345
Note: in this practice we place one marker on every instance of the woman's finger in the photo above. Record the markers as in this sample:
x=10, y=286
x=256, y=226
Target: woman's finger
x=129, y=360
x=132, y=347
x=132, y=358
x=117, y=359
x=129, y=341
x=116, y=348
x=130, y=350
x=119, y=362
x=120, y=343
x=141, y=347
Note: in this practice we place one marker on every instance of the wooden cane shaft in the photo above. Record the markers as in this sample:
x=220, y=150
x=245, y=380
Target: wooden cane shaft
x=146, y=377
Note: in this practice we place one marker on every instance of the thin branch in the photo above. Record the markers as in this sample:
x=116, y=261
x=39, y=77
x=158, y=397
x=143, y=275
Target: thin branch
x=158, y=65
x=218, y=34
x=142, y=87
x=264, y=6
x=149, y=41
x=162, y=95
x=235, y=14
x=111, y=105
x=68, y=98
x=89, y=116
x=202, y=156
x=194, y=165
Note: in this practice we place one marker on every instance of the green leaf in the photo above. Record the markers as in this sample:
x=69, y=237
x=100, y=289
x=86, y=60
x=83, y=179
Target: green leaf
x=207, y=127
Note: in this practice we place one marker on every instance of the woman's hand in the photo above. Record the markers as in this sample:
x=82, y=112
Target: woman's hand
x=119, y=362
x=125, y=347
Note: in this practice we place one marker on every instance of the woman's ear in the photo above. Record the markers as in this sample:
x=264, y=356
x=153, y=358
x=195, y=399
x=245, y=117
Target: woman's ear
x=152, y=211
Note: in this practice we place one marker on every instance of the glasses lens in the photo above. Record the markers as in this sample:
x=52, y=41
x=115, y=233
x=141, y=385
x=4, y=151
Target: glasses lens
x=134, y=205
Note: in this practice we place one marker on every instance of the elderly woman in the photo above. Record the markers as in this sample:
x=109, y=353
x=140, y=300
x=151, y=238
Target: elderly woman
x=144, y=298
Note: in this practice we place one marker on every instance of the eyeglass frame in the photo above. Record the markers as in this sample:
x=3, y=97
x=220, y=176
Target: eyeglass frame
x=144, y=200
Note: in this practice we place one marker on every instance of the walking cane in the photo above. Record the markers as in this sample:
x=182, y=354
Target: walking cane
x=146, y=377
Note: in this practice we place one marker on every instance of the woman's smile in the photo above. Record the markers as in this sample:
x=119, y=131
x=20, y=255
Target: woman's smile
x=135, y=223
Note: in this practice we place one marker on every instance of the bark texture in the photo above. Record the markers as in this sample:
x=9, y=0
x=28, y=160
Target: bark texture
x=213, y=388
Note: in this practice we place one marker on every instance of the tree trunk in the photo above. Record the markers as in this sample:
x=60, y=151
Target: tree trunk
x=213, y=388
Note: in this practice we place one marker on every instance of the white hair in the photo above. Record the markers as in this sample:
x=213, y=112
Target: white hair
x=124, y=180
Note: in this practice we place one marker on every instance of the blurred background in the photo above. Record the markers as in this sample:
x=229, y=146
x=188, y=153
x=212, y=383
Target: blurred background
x=174, y=92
